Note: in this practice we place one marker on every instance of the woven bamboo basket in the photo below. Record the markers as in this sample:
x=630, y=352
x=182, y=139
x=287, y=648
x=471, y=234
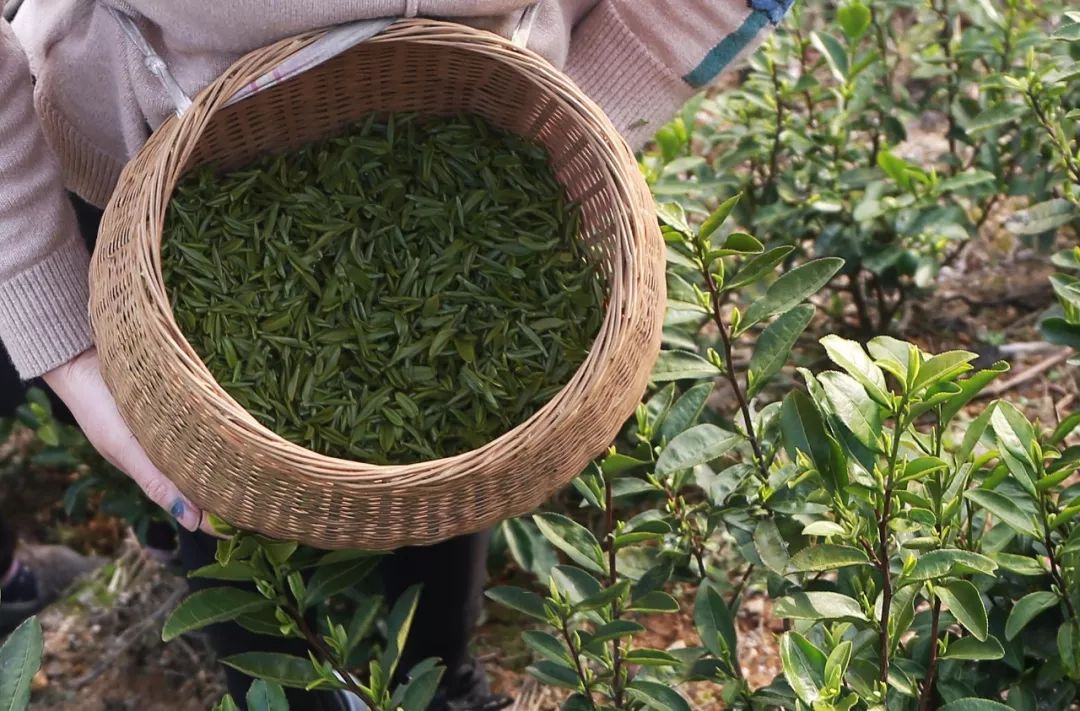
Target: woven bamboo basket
x=228, y=463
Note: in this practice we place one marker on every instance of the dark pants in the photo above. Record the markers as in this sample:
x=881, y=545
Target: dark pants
x=451, y=573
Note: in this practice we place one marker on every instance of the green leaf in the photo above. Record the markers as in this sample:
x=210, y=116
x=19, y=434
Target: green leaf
x=850, y=356
x=1019, y=564
x=790, y=290
x=774, y=346
x=819, y=606
x=942, y=367
x=969, y=648
x=265, y=695
x=1068, y=644
x=974, y=433
x=803, y=665
x=757, y=267
x=698, y=445
x=970, y=387
x=837, y=663
x=573, y=539
x=949, y=561
x=739, y=243
x=20, y=658
x=823, y=528
x=686, y=410
x=672, y=214
x=966, y=605
x=826, y=556
x=854, y=19
x=770, y=546
x=973, y=704
x=418, y=693
x=654, y=601
x=967, y=179
x=527, y=545
x=236, y=570
x=616, y=629
x=398, y=623
x=554, y=674
x=651, y=658
x=718, y=216
x=207, y=607
x=226, y=704
x=1026, y=609
x=605, y=597
x=524, y=601
x=1044, y=217
x=996, y=116
x=853, y=407
x=575, y=584
x=546, y=645
x=892, y=355
x=803, y=431
x=681, y=365
x=284, y=669
x=714, y=624
x=330, y=580
x=1005, y=509
x=1060, y=332
x=835, y=54
x=1015, y=436
x=656, y=696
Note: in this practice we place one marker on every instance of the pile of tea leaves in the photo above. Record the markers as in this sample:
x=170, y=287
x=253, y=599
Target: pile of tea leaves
x=409, y=290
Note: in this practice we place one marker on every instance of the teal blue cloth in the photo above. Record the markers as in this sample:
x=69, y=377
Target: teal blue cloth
x=765, y=12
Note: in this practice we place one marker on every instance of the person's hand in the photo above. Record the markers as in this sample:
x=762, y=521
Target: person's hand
x=79, y=384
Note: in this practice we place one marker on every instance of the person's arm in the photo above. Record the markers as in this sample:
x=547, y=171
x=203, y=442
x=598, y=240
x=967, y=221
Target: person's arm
x=640, y=60
x=44, y=324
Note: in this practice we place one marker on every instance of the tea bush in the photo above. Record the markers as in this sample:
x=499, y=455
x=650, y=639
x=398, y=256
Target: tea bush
x=889, y=134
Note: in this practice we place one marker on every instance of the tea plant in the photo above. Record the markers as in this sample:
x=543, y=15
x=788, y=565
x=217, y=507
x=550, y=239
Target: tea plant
x=920, y=557
x=292, y=585
x=888, y=133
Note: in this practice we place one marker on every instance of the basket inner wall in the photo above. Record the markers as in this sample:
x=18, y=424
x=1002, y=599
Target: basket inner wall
x=428, y=78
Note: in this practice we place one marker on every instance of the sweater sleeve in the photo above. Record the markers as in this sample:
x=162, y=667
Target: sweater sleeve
x=43, y=261
x=640, y=60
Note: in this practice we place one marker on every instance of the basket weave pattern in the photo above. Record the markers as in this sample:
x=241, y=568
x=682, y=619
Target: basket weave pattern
x=228, y=463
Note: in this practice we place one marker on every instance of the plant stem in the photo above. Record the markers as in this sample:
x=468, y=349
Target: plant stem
x=569, y=639
x=927, y=696
x=1055, y=569
x=729, y=371
x=613, y=577
x=774, y=154
x=883, y=547
x=1071, y=166
x=327, y=655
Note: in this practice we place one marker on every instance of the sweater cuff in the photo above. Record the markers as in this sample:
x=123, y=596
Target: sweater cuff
x=44, y=319
x=616, y=70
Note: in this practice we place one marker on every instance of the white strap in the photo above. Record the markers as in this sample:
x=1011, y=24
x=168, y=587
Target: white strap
x=153, y=62
x=332, y=43
x=525, y=25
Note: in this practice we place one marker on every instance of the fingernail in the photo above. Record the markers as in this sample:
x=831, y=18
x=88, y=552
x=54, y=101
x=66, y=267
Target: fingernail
x=185, y=514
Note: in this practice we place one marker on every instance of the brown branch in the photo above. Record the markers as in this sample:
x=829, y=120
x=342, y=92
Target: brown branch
x=729, y=371
x=327, y=655
x=927, y=696
x=613, y=577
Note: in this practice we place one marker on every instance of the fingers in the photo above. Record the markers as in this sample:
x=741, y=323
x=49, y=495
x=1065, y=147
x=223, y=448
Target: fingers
x=80, y=386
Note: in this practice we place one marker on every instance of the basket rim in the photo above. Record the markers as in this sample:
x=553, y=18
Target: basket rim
x=200, y=382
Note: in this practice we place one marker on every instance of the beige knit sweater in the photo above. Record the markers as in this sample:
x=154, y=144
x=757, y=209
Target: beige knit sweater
x=94, y=104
